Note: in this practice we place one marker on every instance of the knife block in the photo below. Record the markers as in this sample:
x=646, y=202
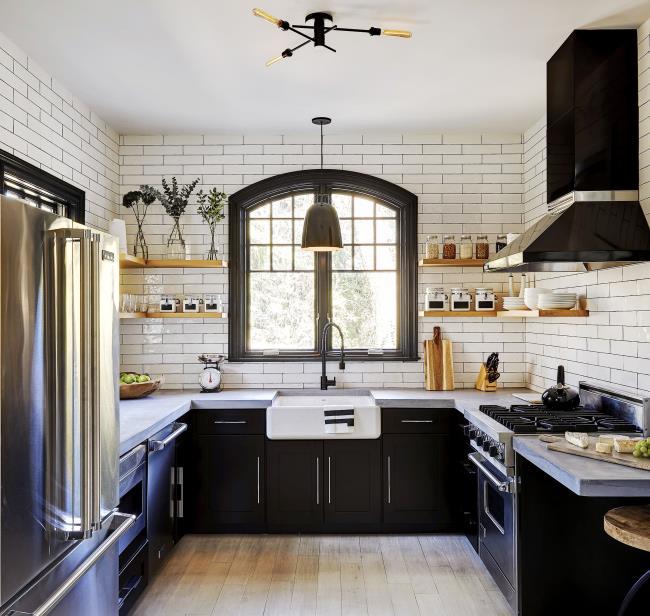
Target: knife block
x=482, y=383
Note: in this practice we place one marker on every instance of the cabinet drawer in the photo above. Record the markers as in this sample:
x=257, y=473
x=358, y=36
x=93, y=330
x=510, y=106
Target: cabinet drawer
x=231, y=421
x=419, y=421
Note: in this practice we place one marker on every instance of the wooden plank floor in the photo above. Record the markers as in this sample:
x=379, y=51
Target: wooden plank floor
x=299, y=575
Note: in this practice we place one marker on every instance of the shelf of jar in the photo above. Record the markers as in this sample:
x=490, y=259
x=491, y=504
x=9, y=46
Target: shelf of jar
x=173, y=315
x=452, y=262
x=131, y=262
x=508, y=314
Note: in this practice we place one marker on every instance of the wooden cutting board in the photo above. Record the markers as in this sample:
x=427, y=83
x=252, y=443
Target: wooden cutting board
x=624, y=459
x=447, y=366
x=436, y=358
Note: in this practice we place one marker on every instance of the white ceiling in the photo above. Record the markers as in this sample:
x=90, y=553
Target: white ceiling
x=190, y=66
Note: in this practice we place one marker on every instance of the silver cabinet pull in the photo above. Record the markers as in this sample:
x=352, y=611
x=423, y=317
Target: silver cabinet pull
x=181, y=487
x=329, y=479
x=417, y=420
x=179, y=428
x=258, y=480
x=317, y=481
x=388, y=459
x=120, y=522
x=225, y=421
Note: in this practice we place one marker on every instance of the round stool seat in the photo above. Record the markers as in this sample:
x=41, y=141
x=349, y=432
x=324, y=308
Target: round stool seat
x=629, y=525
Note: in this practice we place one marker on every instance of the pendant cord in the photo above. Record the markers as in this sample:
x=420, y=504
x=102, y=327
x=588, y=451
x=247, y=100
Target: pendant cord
x=321, y=146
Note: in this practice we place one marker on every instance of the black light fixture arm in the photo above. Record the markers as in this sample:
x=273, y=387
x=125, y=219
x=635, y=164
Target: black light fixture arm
x=320, y=29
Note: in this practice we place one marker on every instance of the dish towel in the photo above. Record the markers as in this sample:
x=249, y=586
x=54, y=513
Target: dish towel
x=339, y=418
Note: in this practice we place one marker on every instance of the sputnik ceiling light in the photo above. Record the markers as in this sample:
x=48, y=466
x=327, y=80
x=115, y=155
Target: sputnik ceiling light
x=321, y=231
x=319, y=29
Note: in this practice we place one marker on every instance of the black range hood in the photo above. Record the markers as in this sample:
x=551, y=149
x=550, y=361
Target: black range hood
x=594, y=219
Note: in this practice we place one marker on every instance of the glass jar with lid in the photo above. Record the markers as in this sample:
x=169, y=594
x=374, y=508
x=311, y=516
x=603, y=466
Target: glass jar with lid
x=502, y=242
x=432, y=250
x=482, y=247
x=466, y=248
x=449, y=247
x=461, y=299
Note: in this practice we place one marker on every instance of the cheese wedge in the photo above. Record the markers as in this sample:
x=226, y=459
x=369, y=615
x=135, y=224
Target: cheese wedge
x=625, y=445
x=579, y=439
x=604, y=447
x=609, y=438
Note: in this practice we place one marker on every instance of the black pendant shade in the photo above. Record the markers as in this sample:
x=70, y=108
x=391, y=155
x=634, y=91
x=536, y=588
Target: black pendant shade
x=322, y=230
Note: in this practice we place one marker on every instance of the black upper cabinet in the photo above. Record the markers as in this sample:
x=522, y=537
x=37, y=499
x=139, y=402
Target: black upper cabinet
x=295, y=484
x=352, y=483
x=228, y=482
x=592, y=113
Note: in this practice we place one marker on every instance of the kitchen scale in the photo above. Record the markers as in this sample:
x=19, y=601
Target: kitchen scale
x=210, y=377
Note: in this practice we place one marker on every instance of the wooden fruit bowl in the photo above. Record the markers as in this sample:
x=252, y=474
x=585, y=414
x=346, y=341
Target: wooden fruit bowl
x=138, y=390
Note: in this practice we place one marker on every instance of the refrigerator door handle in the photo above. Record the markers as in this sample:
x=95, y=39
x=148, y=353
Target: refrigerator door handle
x=120, y=523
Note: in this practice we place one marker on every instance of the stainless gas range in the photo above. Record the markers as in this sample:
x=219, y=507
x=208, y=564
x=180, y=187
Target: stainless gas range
x=490, y=430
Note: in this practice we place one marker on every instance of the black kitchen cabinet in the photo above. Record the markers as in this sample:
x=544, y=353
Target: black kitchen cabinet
x=416, y=481
x=352, y=485
x=229, y=482
x=295, y=485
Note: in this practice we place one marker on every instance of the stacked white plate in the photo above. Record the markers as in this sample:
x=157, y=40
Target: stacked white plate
x=557, y=301
x=531, y=296
x=514, y=303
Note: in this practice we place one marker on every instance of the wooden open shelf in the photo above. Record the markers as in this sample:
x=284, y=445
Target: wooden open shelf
x=452, y=262
x=173, y=315
x=458, y=313
x=130, y=262
x=507, y=314
x=540, y=314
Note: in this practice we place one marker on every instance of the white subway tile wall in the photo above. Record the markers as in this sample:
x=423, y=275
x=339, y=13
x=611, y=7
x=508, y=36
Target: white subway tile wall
x=464, y=183
x=612, y=345
x=42, y=123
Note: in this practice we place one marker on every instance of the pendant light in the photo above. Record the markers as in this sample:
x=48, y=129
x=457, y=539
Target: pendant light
x=322, y=230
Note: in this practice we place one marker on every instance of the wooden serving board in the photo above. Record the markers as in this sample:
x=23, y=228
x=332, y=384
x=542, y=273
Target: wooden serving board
x=624, y=459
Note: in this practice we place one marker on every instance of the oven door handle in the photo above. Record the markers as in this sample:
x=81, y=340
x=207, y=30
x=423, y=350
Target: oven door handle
x=488, y=513
x=502, y=486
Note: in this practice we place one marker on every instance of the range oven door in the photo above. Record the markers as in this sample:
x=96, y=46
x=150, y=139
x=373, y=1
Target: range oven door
x=497, y=532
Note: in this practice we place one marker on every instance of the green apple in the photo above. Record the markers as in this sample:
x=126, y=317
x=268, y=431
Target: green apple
x=143, y=378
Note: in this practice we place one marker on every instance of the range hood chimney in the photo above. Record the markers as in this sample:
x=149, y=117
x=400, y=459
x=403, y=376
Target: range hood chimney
x=594, y=218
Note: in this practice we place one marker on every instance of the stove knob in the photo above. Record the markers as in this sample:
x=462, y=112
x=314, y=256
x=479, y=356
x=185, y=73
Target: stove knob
x=494, y=450
x=480, y=437
x=486, y=443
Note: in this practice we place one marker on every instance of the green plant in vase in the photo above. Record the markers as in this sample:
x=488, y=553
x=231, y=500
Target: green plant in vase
x=211, y=209
x=174, y=199
x=138, y=201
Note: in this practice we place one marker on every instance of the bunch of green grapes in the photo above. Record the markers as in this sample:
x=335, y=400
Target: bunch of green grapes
x=642, y=448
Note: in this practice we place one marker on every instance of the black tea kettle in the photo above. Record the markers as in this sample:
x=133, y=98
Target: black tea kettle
x=561, y=397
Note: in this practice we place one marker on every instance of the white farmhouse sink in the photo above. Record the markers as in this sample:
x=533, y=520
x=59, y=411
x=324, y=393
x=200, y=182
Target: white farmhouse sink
x=301, y=416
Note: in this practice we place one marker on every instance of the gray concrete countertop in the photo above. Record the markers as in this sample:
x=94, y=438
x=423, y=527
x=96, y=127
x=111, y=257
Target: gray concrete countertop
x=141, y=419
x=583, y=476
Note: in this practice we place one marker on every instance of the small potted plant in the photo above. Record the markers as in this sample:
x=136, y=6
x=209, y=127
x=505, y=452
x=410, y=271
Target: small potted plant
x=174, y=199
x=138, y=201
x=211, y=209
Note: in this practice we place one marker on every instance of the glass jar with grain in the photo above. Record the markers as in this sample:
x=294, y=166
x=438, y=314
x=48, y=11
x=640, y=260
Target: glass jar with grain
x=482, y=247
x=466, y=248
x=502, y=242
x=432, y=249
x=449, y=247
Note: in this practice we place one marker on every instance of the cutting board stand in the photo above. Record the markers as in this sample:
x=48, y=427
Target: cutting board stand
x=482, y=383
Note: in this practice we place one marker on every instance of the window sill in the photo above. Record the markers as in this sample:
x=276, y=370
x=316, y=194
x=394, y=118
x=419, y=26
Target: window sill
x=331, y=357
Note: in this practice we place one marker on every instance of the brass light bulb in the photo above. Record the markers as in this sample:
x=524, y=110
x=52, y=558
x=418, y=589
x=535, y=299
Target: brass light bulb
x=264, y=15
x=400, y=33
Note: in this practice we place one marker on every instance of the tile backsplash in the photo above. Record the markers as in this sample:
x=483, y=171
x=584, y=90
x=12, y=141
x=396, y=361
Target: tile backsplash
x=465, y=184
x=471, y=183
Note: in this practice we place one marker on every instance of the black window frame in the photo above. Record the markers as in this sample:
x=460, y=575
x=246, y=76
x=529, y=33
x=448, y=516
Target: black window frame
x=318, y=181
x=73, y=197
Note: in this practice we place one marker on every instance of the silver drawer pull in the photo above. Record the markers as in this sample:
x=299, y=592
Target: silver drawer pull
x=225, y=421
x=417, y=420
x=179, y=428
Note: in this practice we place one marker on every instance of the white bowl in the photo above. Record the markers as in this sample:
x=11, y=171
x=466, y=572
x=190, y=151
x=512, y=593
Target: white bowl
x=532, y=295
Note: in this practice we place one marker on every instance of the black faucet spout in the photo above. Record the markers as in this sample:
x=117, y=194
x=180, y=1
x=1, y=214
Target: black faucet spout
x=324, y=381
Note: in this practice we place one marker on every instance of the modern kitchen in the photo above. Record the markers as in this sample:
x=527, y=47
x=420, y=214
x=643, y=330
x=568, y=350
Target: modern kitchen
x=324, y=309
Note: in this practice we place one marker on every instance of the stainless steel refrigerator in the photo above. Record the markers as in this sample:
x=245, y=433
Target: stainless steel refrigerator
x=59, y=348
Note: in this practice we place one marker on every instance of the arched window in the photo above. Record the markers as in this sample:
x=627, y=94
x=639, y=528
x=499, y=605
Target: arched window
x=281, y=296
